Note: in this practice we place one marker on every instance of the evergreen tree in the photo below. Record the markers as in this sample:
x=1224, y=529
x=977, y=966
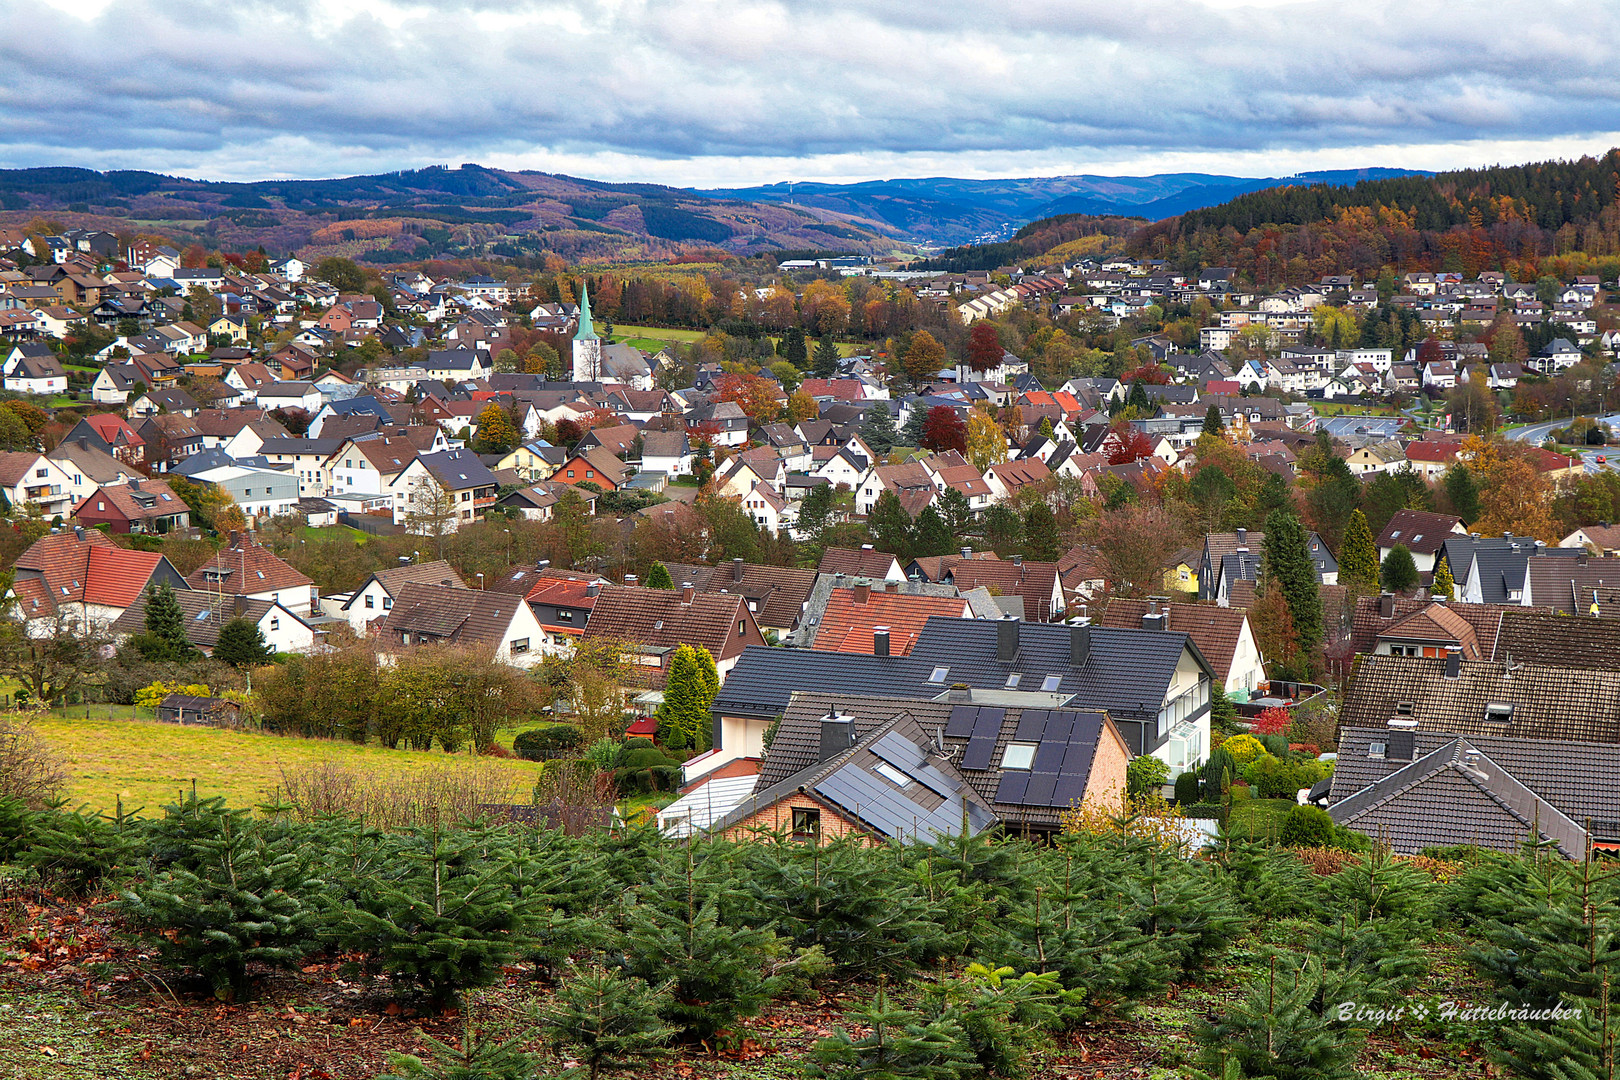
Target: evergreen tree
x=955, y=510
x=1213, y=424
x=165, y=637
x=1277, y=1030
x=932, y=536
x=1444, y=584
x=793, y=349
x=1399, y=573
x=1042, y=541
x=1289, y=566
x=658, y=577
x=911, y=434
x=1002, y=528
x=878, y=429
x=898, y=1044
x=478, y=1058
x=683, y=717
x=1138, y=397
x=890, y=526
x=826, y=359
x=1358, y=555
x=1046, y=429
x=1462, y=492
x=610, y=1021
x=241, y=644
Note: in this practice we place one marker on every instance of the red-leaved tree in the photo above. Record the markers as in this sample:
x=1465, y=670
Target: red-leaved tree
x=1130, y=444
x=1273, y=721
x=1149, y=374
x=983, y=348
x=944, y=430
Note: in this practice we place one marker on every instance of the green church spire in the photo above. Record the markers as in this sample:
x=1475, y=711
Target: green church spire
x=586, y=331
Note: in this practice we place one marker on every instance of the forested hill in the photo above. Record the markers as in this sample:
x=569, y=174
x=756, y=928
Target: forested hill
x=1047, y=242
x=1522, y=218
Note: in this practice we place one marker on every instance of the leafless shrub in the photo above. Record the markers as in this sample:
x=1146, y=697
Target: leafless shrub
x=434, y=795
x=29, y=769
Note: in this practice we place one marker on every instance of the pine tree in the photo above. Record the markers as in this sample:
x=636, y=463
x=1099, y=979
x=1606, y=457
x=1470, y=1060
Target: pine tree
x=793, y=348
x=911, y=434
x=1444, y=584
x=931, y=535
x=609, y=1020
x=658, y=577
x=1042, y=542
x=1213, y=424
x=1399, y=573
x=1138, y=398
x=826, y=359
x=477, y=1058
x=242, y=644
x=1003, y=528
x=898, y=1044
x=1277, y=1030
x=1462, y=492
x=1358, y=554
x=878, y=429
x=165, y=637
x=1289, y=566
x=890, y=526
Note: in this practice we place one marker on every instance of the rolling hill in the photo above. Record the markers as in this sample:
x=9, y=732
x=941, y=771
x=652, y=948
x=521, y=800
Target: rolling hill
x=424, y=213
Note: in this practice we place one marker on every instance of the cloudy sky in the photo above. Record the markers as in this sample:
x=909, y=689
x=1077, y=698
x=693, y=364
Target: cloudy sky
x=729, y=92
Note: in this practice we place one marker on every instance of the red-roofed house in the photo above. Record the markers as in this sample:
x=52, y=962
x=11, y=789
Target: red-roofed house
x=563, y=606
x=126, y=443
x=81, y=576
x=855, y=617
x=136, y=506
x=1431, y=457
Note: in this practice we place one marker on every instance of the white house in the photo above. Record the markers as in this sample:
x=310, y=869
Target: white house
x=290, y=395
x=34, y=369
x=30, y=478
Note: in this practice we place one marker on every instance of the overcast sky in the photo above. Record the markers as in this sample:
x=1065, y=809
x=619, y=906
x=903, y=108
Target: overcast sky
x=732, y=92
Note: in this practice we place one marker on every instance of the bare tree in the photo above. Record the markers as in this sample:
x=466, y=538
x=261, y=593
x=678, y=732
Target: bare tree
x=432, y=511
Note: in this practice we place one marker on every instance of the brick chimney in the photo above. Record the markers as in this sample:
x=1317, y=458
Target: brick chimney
x=688, y=591
x=863, y=590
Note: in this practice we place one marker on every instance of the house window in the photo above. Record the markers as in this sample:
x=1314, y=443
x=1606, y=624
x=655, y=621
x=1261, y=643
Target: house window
x=275, y=622
x=570, y=474
x=101, y=506
x=42, y=472
x=742, y=626
x=1018, y=755
x=1051, y=683
x=938, y=674
x=564, y=616
x=466, y=496
x=370, y=602
x=521, y=645
x=806, y=825
x=388, y=603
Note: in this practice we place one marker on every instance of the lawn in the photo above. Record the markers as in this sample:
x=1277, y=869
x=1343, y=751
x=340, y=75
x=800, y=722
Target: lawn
x=657, y=332
x=333, y=532
x=148, y=764
x=1258, y=817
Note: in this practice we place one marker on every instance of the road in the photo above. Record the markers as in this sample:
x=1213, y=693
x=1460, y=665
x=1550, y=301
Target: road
x=1539, y=433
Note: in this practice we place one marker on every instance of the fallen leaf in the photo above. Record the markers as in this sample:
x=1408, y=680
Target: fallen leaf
x=47, y=1051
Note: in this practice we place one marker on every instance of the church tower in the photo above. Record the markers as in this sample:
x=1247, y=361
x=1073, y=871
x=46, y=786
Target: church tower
x=587, y=346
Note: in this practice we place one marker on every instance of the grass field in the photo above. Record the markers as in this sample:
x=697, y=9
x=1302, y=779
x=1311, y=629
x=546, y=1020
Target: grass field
x=148, y=764
x=334, y=532
x=1258, y=817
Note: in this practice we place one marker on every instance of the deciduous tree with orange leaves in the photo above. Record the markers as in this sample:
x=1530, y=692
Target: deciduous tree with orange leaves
x=754, y=395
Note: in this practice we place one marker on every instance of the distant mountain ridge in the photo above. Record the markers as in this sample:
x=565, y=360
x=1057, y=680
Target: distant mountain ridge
x=946, y=210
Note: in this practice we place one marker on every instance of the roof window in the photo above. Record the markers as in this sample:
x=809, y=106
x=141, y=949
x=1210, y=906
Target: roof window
x=1018, y=755
x=1012, y=681
x=938, y=674
x=1378, y=749
x=891, y=774
x=1051, y=683
x=1499, y=712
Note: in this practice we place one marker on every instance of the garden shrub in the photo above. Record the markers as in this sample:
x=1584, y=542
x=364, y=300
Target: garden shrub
x=1307, y=826
x=1146, y=774
x=1243, y=748
x=548, y=741
x=1187, y=789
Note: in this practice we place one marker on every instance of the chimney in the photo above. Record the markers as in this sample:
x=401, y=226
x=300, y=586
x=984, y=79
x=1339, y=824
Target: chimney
x=236, y=539
x=1154, y=620
x=1580, y=560
x=84, y=443
x=1243, y=536
x=1007, y=638
x=134, y=484
x=1453, y=661
x=593, y=588
x=78, y=530
x=1018, y=560
x=837, y=735
x=959, y=692
x=1079, y=645
x=688, y=591
x=736, y=569
x=630, y=579
x=1386, y=605
x=880, y=641
x=891, y=586
x=863, y=589
x=967, y=553
x=241, y=604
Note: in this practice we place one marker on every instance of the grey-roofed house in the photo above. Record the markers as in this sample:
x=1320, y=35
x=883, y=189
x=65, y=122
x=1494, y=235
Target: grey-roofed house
x=1491, y=569
x=1415, y=789
x=1586, y=585
x=907, y=769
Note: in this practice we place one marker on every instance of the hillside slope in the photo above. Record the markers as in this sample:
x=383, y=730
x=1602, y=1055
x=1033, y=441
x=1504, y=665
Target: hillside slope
x=427, y=212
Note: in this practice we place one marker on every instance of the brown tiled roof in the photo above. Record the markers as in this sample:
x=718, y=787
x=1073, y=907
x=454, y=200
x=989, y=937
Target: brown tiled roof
x=847, y=624
x=1573, y=585
x=616, y=439
x=1015, y=474
x=1534, y=636
x=1439, y=624
x=437, y=572
x=1421, y=532
x=853, y=562
x=346, y=427
x=666, y=618
x=935, y=567
x=223, y=423
x=387, y=455
x=15, y=465
x=129, y=500
x=245, y=567
x=448, y=615
x=775, y=594
x=1566, y=704
x=1367, y=625
x=1034, y=581
x=599, y=458
x=1215, y=630
x=205, y=613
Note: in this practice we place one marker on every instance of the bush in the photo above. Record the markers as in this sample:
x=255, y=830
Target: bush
x=1187, y=788
x=1146, y=775
x=29, y=771
x=1243, y=748
x=1307, y=826
x=548, y=741
x=1203, y=811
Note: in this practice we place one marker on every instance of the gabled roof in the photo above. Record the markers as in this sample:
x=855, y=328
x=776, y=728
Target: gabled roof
x=1421, y=532
x=243, y=568
x=1215, y=630
x=458, y=470
x=775, y=594
x=1574, y=585
x=851, y=615
x=450, y=616
x=81, y=566
x=1035, y=582
x=151, y=499
x=665, y=618
x=437, y=572
x=205, y=613
x=857, y=562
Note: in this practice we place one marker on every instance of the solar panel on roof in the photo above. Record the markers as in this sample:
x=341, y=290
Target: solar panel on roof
x=1049, y=757
x=960, y=725
x=989, y=722
x=1070, y=789
x=1041, y=786
x=1031, y=724
x=1011, y=789
x=979, y=750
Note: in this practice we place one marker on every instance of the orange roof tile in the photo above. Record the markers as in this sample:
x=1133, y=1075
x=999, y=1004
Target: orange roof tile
x=848, y=622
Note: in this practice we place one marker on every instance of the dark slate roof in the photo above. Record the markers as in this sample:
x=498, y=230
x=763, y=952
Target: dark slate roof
x=1492, y=792
x=1566, y=704
x=1574, y=585
x=1576, y=641
x=1420, y=531
x=1500, y=567
x=935, y=804
x=764, y=679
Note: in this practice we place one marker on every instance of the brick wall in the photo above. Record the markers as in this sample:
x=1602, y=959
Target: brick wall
x=1106, y=784
x=778, y=817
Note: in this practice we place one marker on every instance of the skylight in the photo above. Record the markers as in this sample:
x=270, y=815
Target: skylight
x=1018, y=755
x=938, y=675
x=891, y=774
x=1012, y=681
x=1051, y=683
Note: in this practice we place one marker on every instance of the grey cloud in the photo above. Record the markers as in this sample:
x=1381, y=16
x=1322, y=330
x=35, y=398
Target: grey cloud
x=191, y=86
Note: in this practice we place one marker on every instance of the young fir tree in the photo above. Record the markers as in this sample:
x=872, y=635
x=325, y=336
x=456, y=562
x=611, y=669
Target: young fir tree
x=793, y=348
x=241, y=644
x=890, y=526
x=608, y=1020
x=898, y=1044
x=1399, y=573
x=1213, y=424
x=1003, y=529
x=1289, y=566
x=165, y=636
x=477, y=1058
x=658, y=577
x=931, y=535
x=878, y=429
x=231, y=898
x=911, y=434
x=1046, y=429
x=1358, y=554
x=683, y=717
x=1461, y=491
x=1444, y=584
x=1042, y=541
x=825, y=364
x=1277, y=1029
